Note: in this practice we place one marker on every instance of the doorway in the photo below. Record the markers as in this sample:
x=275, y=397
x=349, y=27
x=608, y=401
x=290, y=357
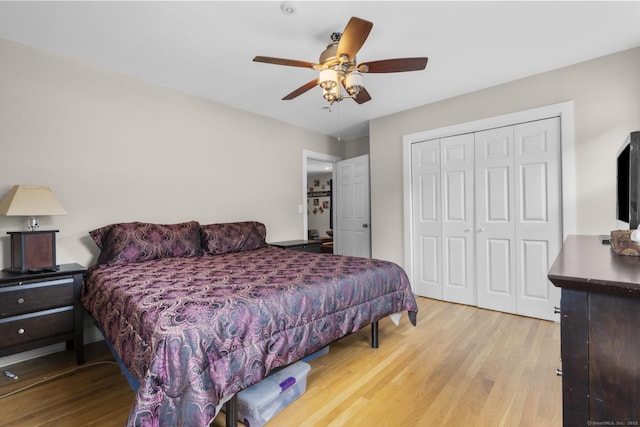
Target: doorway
x=318, y=167
x=320, y=200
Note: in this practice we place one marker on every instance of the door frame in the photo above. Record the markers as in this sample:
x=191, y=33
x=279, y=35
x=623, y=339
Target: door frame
x=564, y=110
x=307, y=154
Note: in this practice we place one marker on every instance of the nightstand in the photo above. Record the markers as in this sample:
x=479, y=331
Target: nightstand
x=38, y=309
x=299, y=245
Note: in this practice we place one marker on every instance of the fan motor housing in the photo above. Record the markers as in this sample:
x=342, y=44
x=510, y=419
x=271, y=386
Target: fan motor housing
x=329, y=58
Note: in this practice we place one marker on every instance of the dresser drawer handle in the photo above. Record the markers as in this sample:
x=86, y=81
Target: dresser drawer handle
x=20, y=331
x=21, y=300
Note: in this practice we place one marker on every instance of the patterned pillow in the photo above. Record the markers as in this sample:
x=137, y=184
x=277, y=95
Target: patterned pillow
x=140, y=241
x=229, y=237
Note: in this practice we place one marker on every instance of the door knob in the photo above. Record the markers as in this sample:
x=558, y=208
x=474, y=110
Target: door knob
x=480, y=230
x=365, y=225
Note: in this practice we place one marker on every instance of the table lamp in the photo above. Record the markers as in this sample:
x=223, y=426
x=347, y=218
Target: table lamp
x=33, y=250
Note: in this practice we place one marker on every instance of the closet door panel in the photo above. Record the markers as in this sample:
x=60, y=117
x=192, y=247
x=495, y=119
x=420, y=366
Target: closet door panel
x=458, y=212
x=498, y=271
x=538, y=215
x=426, y=208
x=429, y=274
x=533, y=270
x=495, y=225
x=497, y=195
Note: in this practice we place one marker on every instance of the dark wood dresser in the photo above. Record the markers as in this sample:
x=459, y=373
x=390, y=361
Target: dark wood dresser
x=38, y=309
x=600, y=333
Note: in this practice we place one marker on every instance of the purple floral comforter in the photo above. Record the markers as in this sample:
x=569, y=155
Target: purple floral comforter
x=194, y=330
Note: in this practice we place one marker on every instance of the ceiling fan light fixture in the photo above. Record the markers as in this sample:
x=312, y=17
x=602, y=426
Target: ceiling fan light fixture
x=331, y=94
x=353, y=83
x=328, y=79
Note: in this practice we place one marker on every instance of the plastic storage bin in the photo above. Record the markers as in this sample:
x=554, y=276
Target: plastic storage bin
x=262, y=401
x=318, y=353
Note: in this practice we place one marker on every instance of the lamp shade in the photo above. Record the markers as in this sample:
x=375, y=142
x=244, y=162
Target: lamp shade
x=30, y=200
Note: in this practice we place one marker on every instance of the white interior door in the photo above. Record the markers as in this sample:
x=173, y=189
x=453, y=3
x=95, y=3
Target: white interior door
x=426, y=207
x=352, y=235
x=538, y=215
x=458, y=219
x=495, y=224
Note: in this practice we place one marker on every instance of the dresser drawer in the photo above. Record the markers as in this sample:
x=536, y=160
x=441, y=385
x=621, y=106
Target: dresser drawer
x=35, y=326
x=29, y=297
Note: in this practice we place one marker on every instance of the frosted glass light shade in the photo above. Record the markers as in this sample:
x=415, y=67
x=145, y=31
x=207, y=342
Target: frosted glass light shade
x=353, y=83
x=328, y=79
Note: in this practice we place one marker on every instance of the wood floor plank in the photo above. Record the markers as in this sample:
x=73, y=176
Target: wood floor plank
x=460, y=366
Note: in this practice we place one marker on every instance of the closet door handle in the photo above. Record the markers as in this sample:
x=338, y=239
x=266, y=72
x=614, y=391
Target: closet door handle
x=481, y=229
x=467, y=230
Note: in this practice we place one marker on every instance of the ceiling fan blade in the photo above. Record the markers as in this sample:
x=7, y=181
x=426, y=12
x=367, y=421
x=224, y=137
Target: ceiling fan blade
x=393, y=65
x=353, y=37
x=302, y=89
x=282, y=61
x=362, y=96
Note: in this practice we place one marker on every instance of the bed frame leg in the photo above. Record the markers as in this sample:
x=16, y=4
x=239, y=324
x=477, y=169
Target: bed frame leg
x=374, y=334
x=231, y=410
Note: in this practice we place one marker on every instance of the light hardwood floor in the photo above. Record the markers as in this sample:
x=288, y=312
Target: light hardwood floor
x=461, y=366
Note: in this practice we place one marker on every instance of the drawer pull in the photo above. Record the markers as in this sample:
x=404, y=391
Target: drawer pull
x=20, y=331
x=20, y=300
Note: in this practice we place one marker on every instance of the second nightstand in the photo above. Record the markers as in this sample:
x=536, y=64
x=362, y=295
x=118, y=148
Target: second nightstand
x=299, y=245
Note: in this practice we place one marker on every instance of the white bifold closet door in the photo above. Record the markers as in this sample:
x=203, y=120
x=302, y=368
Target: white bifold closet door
x=426, y=214
x=458, y=218
x=538, y=215
x=487, y=217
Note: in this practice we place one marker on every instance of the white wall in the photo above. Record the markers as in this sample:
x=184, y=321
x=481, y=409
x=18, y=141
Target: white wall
x=114, y=148
x=606, y=94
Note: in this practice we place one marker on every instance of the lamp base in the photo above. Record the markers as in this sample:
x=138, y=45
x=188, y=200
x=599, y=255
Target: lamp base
x=33, y=251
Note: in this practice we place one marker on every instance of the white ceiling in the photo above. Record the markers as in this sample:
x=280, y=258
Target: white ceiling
x=206, y=48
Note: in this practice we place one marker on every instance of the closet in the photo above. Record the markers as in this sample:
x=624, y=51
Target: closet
x=487, y=217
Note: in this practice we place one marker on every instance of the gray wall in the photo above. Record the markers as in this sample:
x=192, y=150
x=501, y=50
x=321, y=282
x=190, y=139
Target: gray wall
x=114, y=149
x=606, y=95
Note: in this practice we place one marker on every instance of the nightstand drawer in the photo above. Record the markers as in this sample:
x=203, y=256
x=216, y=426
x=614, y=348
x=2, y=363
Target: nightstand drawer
x=35, y=326
x=29, y=297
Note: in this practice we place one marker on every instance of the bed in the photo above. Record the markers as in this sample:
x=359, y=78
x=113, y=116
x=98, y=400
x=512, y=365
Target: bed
x=196, y=313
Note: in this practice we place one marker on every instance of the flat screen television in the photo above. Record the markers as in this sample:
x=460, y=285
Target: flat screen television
x=628, y=183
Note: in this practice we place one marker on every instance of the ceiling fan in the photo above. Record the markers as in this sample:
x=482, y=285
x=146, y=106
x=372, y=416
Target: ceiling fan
x=338, y=66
